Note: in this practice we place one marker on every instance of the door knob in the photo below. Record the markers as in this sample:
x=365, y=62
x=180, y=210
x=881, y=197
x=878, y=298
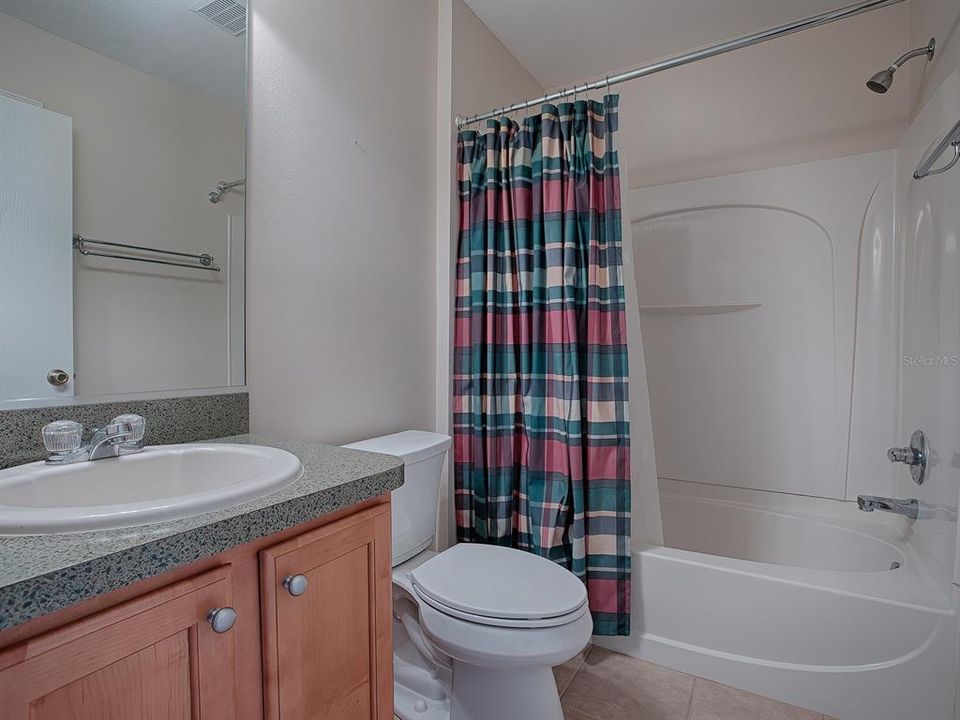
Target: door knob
x=222, y=619
x=58, y=377
x=915, y=455
x=296, y=585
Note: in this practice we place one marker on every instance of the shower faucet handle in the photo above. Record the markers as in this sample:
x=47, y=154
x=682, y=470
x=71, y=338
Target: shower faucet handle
x=904, y=455
x=915, y=455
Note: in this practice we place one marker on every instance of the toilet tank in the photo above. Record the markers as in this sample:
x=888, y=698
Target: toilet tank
x=414, y=504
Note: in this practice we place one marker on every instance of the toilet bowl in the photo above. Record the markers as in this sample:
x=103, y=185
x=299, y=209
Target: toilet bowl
x=477, y=628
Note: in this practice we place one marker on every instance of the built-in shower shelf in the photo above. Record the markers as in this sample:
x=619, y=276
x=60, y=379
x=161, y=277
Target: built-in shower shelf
x=712, y=309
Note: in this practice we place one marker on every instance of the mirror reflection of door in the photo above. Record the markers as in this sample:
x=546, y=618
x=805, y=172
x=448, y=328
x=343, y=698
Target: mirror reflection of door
x=36, y=218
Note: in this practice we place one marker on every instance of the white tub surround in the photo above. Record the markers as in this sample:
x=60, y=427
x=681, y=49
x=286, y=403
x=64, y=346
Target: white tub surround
x=769, y=304
x=768, y=313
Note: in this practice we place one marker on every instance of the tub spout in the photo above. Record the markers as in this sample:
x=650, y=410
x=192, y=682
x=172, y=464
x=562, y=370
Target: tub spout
x=909, y=508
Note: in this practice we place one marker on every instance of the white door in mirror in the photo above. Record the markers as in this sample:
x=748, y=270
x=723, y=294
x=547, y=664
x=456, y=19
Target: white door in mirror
x=36, y=270
x=164, y=482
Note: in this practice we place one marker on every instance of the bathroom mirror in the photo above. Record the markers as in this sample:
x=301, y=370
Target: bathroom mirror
x=122, y=183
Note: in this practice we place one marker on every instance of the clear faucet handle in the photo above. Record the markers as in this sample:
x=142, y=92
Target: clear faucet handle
x=62, y=436
x=137, y=423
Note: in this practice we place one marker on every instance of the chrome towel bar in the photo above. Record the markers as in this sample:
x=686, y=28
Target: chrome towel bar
x=203, y=261
x=951, y=139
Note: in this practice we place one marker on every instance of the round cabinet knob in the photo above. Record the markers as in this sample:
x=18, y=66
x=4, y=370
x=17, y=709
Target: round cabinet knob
x=58, y=377
x=296, y=585
x=222, y=619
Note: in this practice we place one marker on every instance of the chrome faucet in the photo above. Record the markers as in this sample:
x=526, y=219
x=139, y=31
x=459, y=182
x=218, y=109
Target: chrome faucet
x=909, y=508
x=916, y=456
x=121, y=436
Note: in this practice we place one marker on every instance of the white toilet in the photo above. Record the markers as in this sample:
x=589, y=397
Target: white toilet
x=477, y=628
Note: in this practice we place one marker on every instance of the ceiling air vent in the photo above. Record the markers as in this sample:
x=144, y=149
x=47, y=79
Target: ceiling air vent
x=229, y=15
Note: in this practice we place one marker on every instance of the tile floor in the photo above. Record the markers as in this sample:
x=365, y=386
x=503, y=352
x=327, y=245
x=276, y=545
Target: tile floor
x=603, y=685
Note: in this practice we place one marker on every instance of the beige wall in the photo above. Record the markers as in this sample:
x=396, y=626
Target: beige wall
x=146, y=153
x=939, y=19
x=792, y=100
x=341, y=304
x=485, y=74
x=475, y=73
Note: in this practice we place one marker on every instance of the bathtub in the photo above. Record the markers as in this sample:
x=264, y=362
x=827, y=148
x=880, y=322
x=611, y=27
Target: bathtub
x=811, y=605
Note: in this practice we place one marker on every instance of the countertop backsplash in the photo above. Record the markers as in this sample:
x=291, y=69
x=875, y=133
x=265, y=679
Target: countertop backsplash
x=169, y=421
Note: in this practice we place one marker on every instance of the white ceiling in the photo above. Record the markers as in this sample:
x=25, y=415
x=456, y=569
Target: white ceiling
x=563, y=41
x=159, y=37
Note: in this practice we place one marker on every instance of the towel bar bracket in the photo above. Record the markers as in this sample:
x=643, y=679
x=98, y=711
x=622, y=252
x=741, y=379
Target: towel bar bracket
x=950, y=140
x=953, y=161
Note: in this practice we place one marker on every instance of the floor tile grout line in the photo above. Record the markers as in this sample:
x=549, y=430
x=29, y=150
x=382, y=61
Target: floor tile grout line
x=583, y=661
x=574, y=674
x=588, y=715
x=693, y=690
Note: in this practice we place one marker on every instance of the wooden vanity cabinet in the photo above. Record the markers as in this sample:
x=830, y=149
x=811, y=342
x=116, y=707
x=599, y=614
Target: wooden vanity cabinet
x=150, y=651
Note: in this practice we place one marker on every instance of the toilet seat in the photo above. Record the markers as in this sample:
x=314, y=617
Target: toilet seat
x=529, y=623
x=499, y=586
x=504, y=647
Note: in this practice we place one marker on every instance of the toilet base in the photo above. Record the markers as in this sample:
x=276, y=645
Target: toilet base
x=481, y=693
x=421, y=691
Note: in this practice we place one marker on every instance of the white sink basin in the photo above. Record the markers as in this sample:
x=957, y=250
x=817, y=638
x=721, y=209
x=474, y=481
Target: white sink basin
x=164, y=482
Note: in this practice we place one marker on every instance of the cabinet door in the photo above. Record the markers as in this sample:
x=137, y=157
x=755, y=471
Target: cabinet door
x=327, y=652
x=153, y=658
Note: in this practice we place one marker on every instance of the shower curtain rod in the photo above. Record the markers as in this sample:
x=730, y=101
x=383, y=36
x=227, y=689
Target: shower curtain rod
x=689, y=57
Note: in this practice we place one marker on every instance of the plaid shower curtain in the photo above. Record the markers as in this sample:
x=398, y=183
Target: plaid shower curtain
x=541, y=433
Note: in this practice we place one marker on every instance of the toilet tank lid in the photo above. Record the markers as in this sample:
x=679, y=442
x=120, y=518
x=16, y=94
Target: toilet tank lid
x=411, y=445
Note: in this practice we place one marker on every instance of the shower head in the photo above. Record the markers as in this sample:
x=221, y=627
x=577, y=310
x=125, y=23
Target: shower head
x=882, y=80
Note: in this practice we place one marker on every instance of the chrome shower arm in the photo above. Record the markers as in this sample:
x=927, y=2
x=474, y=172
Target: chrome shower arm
x=927, y=50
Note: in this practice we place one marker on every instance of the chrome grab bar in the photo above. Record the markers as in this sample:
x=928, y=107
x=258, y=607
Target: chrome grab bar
x=204, y=261
x=951, y=139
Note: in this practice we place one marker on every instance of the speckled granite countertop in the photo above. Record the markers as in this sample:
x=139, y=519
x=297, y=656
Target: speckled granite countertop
x=40, y=574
